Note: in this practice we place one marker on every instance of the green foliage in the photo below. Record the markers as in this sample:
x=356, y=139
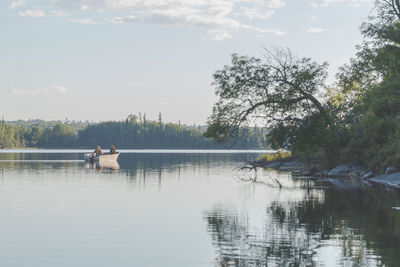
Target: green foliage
x=218, y=132
x=59, y=136
x=373, y=142
x=134, y=132
x=10, y=136
x=279, y=155
x=75, y=126
x=279, y=91
x=357, y=120
x=374, y=78
x=156, y=134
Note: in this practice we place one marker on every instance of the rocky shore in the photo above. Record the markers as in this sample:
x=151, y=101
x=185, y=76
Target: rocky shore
x=345, y=176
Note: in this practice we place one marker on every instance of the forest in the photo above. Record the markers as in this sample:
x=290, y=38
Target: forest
x=354, y=120
x=135, y=132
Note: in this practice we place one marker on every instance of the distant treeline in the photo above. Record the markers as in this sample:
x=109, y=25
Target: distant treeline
x=134, y=132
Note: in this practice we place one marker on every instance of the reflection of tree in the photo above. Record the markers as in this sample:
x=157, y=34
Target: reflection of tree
x=238, y=245
x=154, y=162
x=361, y=224
x=22, y=162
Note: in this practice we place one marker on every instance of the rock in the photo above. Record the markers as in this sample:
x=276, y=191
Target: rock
x=356, y=171
x=340, y=170
x=273, y=164
x=323, y=173
x=309, y=172
x=313, y=170
x=391, y=180
x=283, y=168
x=391, y=169
x=286, y=166
x=368, y=175
x=347, y=170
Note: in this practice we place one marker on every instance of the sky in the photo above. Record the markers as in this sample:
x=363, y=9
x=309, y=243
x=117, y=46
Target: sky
x=101, y=60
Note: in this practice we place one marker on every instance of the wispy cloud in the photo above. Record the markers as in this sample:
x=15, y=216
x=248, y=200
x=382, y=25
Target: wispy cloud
x=275, y=31
x=354, y=3
x=219, y=35
x=31, y=13
x=85, y=21
x=43, y=91
x=221, y=18
x=314, y=30
x=59, y=13
x=254, y=13
x=16, y=4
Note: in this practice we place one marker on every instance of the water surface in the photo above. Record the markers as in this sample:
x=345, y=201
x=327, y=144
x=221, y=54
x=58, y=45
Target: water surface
x=184, y=208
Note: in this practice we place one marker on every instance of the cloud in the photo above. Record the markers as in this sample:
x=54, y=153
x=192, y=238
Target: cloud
x=31, y=13
x=275, y=31
x=59, y=13
x=84, y=21
x=314, y=30
x=221, y=18
x=42, y=91
x=354, y=3
x=16, y=4
x=219, y=35
x=254, y=13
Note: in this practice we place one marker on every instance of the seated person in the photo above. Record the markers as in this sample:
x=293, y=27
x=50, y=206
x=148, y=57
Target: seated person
x=97, y=151
x=113, y=150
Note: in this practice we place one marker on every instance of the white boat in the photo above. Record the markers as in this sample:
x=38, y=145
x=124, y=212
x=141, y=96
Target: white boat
x=102, y=157
x=98, y=165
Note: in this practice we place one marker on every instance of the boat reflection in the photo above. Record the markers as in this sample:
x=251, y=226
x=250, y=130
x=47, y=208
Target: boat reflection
x=109, y=165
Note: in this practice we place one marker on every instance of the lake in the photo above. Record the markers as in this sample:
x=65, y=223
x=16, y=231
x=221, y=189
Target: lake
x=185, y=208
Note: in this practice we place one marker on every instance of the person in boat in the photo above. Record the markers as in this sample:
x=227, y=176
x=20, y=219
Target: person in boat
x=97, y=151
x=113, y=150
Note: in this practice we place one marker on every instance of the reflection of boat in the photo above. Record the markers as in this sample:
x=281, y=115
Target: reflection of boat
x=112, y=165
x=101, y=158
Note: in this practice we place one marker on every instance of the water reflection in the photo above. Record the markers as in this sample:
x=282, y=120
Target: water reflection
x=342, y=228
x=128, y=162
x=187, y=209
x=111, y=165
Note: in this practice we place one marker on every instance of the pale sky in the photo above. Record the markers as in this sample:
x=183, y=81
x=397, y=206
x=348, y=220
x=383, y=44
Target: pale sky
x=105, y=59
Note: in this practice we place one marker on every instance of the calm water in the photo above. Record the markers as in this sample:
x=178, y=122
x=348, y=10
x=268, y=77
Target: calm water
x=184, y=209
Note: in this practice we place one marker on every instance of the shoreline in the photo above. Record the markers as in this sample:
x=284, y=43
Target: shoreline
x=343, y=176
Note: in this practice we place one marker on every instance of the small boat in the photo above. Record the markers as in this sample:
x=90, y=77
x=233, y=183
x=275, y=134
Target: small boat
x=102, y=157
x=98, y=165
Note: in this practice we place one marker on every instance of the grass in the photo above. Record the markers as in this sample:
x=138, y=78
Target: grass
x=279, y=155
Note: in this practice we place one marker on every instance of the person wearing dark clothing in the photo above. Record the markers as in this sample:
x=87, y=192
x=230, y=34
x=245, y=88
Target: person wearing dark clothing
x=97, y=151
x=113, y=150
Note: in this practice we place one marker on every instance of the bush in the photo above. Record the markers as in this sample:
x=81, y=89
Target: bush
x=279, y=155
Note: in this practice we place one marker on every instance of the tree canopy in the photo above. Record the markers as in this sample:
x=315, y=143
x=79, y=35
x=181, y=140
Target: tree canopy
x=135, y=132
x=280, y=91
x=357, y=119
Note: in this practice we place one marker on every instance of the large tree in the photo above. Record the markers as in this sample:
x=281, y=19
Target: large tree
x=372, y=84
x=372, y=77
x=281, y=91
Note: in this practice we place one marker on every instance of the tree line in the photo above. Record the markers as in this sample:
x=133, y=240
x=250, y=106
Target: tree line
x=134, y=132
x=355, y=120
